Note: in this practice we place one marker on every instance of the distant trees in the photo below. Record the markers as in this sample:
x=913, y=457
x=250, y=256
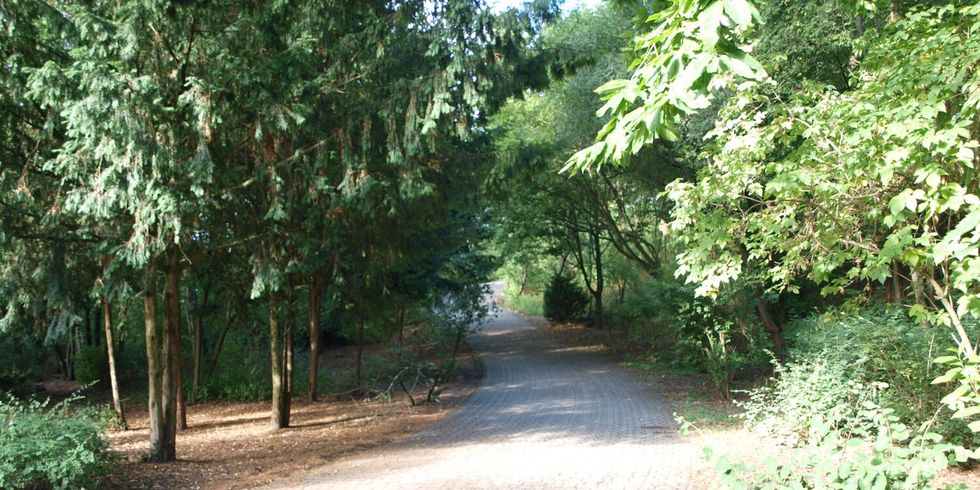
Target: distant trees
x=254, y=152
x=587, y=218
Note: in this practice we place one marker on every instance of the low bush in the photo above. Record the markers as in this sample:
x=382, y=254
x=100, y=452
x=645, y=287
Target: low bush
x=63, y=446
x=527, y=305
x=91, y=365
x=692, y=333
x=564, y=300
x=20, y=361
x=876, y=345
x=856, y=405
x=869, y=447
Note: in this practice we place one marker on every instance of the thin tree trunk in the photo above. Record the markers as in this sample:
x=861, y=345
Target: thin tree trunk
x=171, y=325
x=288, y=388
x=111, y=355
x=162, y=420
x=280, y=408
x=360, y=354
x=62, y=362
x=400, y=323
x=896, y=284
x=74, y=348
x=314, y=318
x=520, y=291
x=196, y=381
x=775, y=330
x=221, y=342
x=599, y=278
x=89, y=342
x=198, y=340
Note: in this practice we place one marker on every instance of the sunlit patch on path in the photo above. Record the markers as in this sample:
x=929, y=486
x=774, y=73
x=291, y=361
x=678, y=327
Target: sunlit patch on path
x=546, y=416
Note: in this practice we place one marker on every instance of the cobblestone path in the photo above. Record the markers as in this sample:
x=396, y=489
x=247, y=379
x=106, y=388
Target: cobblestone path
x=547, y=415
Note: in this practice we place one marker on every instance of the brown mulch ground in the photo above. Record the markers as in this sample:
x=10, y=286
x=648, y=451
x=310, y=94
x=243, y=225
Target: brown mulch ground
x=230, y=445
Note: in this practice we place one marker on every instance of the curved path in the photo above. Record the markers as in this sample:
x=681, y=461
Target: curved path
x=546, y=416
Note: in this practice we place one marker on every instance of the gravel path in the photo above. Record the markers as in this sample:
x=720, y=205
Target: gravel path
x=546, y=416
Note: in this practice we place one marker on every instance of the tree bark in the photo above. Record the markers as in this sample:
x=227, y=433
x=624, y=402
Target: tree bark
x=280, y=407
x=89, y=341
x=220, y=343
x=775, y=330
x=288, y=388
x=401, y=324
x=111, y=355
x=599, y=279
x=314, y=318
x=895, y=292
x=160, y=389
x=171, y=326
x=198, y=340
x=360, y=354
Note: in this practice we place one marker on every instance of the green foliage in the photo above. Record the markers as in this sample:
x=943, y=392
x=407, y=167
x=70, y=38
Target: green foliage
x=91, y=365
x=686, y=47
x=242, y=372
x=526, y=304
x=692, y=333
x=564, y=300
x=21, y=361
x=870, y=448
x=62, y=446
x=832, y=355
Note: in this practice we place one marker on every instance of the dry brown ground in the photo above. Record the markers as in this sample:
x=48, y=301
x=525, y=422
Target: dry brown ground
x=230, y=445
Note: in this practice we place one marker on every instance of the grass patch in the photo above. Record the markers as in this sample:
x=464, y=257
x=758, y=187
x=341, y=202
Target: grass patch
x=689, y=394
x=526, y=304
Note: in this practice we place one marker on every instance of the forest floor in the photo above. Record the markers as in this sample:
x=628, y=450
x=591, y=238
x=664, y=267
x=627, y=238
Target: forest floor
x=713, y=419
x=230, y=445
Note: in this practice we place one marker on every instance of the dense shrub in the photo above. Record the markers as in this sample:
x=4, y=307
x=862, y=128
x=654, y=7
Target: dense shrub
x=20, y=361
x=829, y=355
x=564, y=300
x=869, y=447
x=91, y=365
x=691, y=333
x=62, y=446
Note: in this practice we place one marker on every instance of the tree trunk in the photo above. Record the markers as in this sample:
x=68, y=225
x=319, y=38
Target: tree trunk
x=599, y=279
x=314, y=317
x=775, y=330
x=280, y=407
x=360, y=354
x=288, y=388
x=401, y=324
x=162, y=420
x=198, y=338
x=561, y=264
x=198, y=324
x=171, y=326
x=111, y=355
x=220, y=343
x=89, y=341
x=520, y=291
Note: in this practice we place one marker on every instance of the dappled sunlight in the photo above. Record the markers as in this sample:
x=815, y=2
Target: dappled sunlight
x=547, y=415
